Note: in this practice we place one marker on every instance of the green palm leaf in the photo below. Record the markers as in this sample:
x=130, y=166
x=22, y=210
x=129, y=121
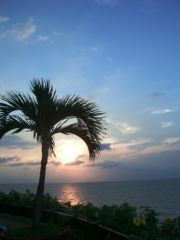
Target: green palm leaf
x=46, y=115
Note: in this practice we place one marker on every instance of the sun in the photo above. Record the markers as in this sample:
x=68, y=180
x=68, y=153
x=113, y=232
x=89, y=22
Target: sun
x=70, y=153
x=69, y=150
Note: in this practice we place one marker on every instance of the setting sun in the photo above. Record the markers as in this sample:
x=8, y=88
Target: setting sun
x=69, y=150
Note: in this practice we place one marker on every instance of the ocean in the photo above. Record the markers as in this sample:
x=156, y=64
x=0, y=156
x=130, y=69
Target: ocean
x=161, y=195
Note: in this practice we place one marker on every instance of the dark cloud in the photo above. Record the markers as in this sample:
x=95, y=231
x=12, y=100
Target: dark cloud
x=33, y=163
x=13, y=141
x=16, y=164
x=9, y=159
x=30, y=163
x=161, y=160
x=105, y=146
x=140, y=146
x=55, y=163
x=106, y=164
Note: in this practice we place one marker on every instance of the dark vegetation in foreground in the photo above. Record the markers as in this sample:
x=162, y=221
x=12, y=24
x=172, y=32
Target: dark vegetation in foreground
x=137, y=224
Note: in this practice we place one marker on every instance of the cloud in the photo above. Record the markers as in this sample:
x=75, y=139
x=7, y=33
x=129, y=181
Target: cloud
x=168, y=144
x=126, y=150
x=166, y=124
x=164, y=111
x=171, y=140
x=29, y=163
x=4, y=19
x=55, y=163
x=74, y=163
x=16, y=165
x=158, y=161
x=139, y=148
x=20, y=31
x=32, y=163
x=126, y=128
x=105, y=146
x=78, y=161
x=140, y=143
x=16, y=142
x=106, y=164
x=8, y=159
x=42, y=38
x=106, y=2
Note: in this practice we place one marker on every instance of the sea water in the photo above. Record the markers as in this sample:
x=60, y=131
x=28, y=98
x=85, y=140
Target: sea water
x=161, y=195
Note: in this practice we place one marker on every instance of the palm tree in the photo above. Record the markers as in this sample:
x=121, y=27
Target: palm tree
x=43, y=113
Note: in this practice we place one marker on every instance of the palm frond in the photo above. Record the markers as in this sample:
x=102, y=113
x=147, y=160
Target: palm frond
x=15, y=124
x=93, y=144
x=86, y=112
x=45, y=115
x=16, y=101
x=43, y=91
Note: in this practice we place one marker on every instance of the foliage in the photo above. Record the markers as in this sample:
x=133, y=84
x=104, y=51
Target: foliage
x=44, y=114
x=171, y=228
x=138, y=224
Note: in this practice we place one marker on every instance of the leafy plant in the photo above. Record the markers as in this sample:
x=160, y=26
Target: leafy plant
x=138, y=223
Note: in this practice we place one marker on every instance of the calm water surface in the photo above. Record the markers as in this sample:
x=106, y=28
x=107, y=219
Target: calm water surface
x=162, y=195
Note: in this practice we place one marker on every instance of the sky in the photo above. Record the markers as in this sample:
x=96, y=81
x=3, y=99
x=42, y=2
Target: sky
x=122, y=54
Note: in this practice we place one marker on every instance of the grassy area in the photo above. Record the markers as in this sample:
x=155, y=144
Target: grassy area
x=21, y=227
x=45, y=230
x=14, y=222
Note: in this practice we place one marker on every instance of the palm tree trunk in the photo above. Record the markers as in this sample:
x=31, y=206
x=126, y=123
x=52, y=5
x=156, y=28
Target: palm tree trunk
x=38, y=205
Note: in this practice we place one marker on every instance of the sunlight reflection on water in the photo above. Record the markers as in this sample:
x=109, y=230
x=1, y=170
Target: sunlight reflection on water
x=69, y=193
x=162, y=195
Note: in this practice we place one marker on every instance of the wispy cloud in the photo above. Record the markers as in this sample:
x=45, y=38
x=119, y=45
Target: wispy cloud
x=74, y=163
x=127, y=129
x=42, y=38
x=126, y=150
x=164, y=111
x=78, y=161
x=106, y=164
x=20, y=31
x=9, y=159
x=171, y=140
x=167, y=145
x=14, y=142
x=28, y=163
x=166, y=124
x=55, y=163
x=4, y=19
x=106, y=2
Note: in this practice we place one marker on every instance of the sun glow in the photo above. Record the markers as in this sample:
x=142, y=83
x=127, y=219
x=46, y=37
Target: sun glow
x=70, y=150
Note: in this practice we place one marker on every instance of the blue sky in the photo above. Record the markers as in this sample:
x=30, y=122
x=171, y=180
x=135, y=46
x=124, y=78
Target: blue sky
x=122, y=54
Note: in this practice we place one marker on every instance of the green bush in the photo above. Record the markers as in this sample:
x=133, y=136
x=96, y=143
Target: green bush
x=138, y=224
